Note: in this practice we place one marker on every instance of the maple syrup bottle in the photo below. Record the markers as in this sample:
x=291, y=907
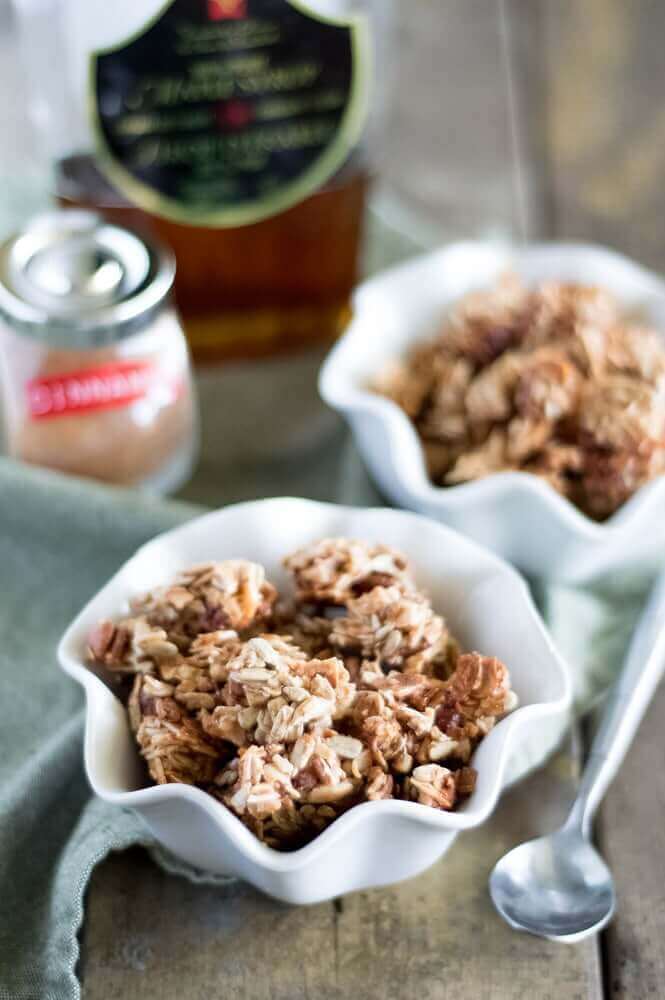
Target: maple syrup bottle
x=235, y=131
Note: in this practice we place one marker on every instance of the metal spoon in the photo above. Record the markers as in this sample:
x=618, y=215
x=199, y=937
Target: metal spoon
x=558, y=886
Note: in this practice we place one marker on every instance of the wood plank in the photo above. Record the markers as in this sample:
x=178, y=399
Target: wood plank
x=149, y=935
x=630, y=832
x=606, y=144
x=605, y=83
x=246, y=453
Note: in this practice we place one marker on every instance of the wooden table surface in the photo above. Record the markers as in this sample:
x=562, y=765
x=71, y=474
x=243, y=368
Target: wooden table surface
x=570, y=145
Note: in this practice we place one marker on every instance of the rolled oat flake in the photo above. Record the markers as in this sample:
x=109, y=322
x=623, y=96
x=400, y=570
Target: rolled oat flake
x=93, y=362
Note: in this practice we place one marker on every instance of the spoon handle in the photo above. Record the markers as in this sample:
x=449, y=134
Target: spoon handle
x=627, y=702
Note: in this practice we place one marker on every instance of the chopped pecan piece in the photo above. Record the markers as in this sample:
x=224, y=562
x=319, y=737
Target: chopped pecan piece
x=336, y=570
x=432, y=785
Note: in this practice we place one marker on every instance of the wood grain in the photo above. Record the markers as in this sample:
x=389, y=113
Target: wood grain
x=150, y=936
x=630, y=831
x=606, y=122
x=606, y=144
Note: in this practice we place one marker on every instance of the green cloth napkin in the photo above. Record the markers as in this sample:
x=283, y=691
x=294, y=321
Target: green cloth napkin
x=59, y=541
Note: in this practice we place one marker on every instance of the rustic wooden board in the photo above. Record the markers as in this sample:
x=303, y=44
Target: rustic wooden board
x=606, y=144
x=631, y=837
x=603, y=61
x=149, y=935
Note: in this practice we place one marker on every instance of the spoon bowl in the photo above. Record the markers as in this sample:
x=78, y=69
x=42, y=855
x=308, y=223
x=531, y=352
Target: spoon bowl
x=557, y=886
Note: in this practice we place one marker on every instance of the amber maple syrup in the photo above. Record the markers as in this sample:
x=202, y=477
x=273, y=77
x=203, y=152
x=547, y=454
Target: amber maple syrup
x=273, y=286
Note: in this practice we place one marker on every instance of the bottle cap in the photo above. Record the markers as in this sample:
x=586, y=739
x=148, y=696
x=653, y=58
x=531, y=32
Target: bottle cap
x=72, y=279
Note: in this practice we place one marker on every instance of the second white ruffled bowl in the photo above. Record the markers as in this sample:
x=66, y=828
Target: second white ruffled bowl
x=515, y=514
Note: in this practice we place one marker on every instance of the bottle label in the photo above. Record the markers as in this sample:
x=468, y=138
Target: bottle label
x=224, y=112
x=107, y=387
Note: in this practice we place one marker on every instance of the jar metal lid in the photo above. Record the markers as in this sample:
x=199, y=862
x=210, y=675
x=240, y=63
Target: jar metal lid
x=72, y=279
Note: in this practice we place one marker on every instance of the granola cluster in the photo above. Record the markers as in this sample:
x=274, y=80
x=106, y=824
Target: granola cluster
x=291, y=710
x=550, y=380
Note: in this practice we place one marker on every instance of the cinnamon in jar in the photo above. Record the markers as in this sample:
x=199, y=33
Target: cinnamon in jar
x=94, y=366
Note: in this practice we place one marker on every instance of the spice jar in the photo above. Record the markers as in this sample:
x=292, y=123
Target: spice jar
x=94, y=367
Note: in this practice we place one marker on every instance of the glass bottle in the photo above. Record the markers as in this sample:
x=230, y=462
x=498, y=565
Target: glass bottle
x=239, y=132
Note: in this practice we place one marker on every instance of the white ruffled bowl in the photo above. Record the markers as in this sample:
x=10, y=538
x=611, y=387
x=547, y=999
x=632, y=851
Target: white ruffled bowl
x=486, y=604
x=515, y=514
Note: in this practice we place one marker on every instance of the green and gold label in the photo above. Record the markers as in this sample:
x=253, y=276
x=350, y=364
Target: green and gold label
x=223, y=112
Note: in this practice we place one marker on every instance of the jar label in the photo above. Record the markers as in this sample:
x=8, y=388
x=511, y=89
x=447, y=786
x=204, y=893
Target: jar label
x=106, y=387
x=224, y=112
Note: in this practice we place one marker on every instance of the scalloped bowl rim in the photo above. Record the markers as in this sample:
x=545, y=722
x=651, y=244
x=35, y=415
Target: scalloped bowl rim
x=345, y=397
x=228, y=824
